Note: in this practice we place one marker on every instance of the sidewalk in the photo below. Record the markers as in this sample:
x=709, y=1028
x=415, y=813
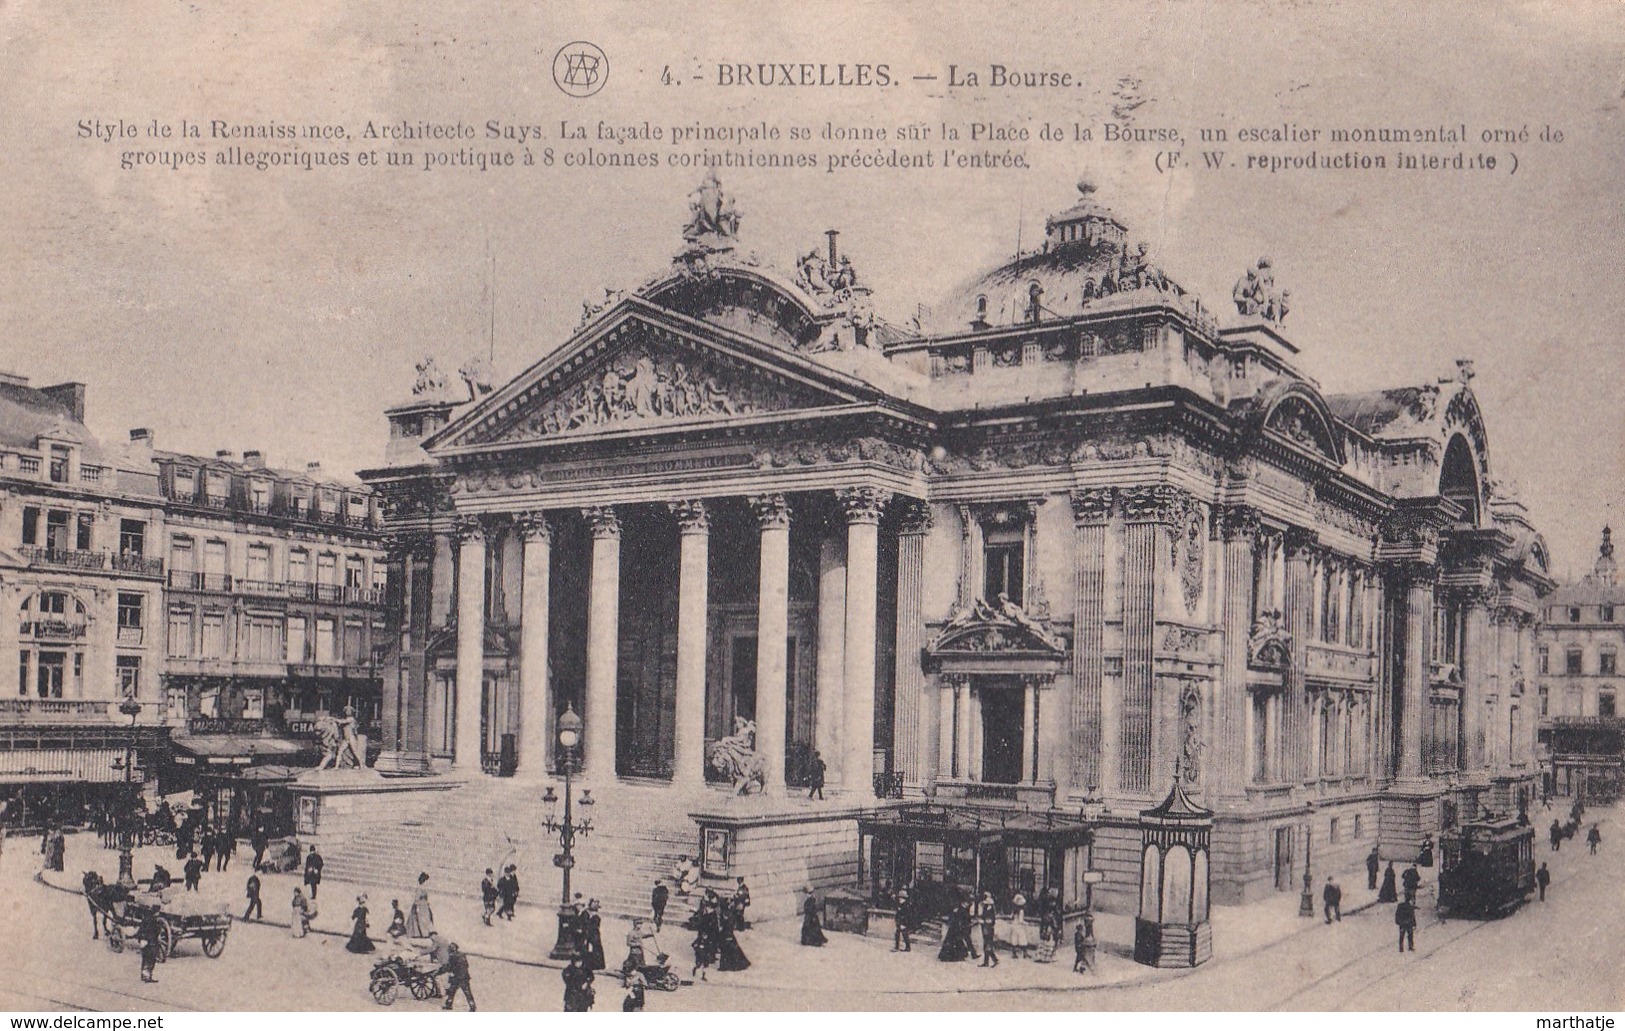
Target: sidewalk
x=779, y=962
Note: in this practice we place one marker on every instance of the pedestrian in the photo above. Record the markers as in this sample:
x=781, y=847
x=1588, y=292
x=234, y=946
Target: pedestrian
x=578, y=992
x=956, y=943
x=207, y=845
x=730, y=957
x=657, y=903
x=456, y=967
x=1080, y=958
x=987, y=917
x=397, y=920
x=92, y=884
x=636, y=957
x=359, y=942
x=1405, y=919
x=705, y=941
x=1411, y=879
x=1557, y=836
x=151, y=944
x=812, y=931
x=302, y=915
x=420, y=922
x=226, y=848
x=1373, y=863
x=815, y=777
x=1021, y=941
x=313, y=871
x=508, y=888
x=1389, y=892
x=261, y=841
x=741, y=903
x=635, y=994
x=1543, y=877
x=193, y=872
x=488, y=897
x=1593, y=838
x=686, y=875
x=251, y=891
x=1331, y=898
x=1425, y=856
x=903, y=923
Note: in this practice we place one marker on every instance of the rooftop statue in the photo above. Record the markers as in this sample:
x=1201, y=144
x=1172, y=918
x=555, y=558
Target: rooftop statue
x=1255, y=294
x=711, y=212
x=431, y=381
x=478, y=374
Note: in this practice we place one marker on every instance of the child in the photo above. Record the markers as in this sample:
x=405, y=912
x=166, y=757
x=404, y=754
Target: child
x=397, y=920
x=1080, y=962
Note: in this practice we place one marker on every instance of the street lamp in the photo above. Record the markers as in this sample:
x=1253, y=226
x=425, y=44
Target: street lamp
x=569, y=754
x=126, y=859
x=1306, y=904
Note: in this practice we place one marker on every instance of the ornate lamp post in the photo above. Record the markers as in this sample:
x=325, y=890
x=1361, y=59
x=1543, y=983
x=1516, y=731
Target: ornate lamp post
x=1306, y=903
x=569, y=754
x=126, y=859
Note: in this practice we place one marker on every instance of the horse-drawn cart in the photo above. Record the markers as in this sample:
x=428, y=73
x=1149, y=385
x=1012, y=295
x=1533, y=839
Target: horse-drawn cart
x=122, y=913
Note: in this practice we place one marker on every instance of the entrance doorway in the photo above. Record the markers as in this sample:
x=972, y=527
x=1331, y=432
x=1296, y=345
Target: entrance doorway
x=1001, y=736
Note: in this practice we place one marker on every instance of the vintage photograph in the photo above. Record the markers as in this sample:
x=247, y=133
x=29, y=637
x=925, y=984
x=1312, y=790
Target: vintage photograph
x=822, y=507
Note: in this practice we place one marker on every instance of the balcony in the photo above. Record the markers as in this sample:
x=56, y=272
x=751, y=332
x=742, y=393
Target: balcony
x=64, y=558
x=137, y=565
x=15, y=711
x=186, y=580
x=53, y=630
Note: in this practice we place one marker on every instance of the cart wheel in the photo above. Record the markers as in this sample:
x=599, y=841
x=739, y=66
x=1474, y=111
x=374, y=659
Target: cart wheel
x=214, y=944
x=384, y=988
x=668, y=981
x=423, y=988
x=115, y=938
x=166, y=941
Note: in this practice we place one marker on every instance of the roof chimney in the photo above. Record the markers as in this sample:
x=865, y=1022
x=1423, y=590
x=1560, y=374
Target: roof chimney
x=142, y=435
x=226, y=454
x=70, y=396
x=313, y=468
x=254, y=459
x=832, y=234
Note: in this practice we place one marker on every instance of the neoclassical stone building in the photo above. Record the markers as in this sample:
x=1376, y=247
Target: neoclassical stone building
x=1067, y=536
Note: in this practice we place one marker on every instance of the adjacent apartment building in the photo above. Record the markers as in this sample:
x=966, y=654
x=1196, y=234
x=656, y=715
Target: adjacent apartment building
x=1582, y=732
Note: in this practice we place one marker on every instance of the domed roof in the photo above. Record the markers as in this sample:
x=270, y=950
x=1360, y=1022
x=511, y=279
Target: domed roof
x=1085, y=261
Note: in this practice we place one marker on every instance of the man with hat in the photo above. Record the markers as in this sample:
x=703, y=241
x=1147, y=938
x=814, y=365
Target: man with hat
x=987, y=915
x=904, y=921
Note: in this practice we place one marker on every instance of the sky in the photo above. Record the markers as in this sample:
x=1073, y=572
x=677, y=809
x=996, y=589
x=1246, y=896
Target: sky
x=228, y=307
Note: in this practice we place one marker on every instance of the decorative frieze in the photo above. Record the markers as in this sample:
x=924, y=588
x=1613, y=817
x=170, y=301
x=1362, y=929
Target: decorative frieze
x=791, y=454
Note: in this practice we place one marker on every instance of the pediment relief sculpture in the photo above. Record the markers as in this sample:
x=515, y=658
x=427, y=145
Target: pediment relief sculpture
x=1269, y=646
x=998, y=626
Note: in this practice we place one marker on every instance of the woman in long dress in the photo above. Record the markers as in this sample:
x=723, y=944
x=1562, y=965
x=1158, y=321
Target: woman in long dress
x=956, y=936
x=359, y=942
x=1389, y=891
x=420, y=921
x=592, y=942
x=1021, y=938
x=729, y=955
x=812, y=932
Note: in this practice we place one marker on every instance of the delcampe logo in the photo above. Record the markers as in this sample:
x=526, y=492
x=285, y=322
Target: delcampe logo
x=580, y=68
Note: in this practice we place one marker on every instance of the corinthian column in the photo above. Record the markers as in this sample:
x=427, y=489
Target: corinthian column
x=603, y=640
x=863, y=506
x=1475, y=685
x=535, y=708
x=470, y=643
x=1241, y=525
x=913, y=736
x=1297, y=715
x=693, y=571
x=772, y=630
x=1417, y=580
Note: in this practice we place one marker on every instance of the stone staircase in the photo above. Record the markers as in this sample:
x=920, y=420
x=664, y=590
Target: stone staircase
x=638, y=834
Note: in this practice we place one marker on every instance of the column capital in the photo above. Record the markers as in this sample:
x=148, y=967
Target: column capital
x=534, y=526
x=914, y=516
x=605, y=523
x=1152, y=503
x=401, y=546
x=1240, y=523
x=469, y=529
x=1411, y=574
x=1092, y=506
x=1300, y=542
x=1476, y=596
x=772, y=511
x=863, y=504
x=692, y=514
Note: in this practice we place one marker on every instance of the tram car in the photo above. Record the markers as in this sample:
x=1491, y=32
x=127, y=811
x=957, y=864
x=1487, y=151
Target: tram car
x=1487, y=867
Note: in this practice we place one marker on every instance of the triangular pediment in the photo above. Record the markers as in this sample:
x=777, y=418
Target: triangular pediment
x=641, y=369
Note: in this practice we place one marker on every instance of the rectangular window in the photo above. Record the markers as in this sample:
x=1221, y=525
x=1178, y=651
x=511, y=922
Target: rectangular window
x=327, y=569
x=180, y=633
x=380, y=576
x=296, y=639
x=1003, y=565
x=53, y=670
x=22, y=674
x=1607, y=613
x=185, y=486
x=1545, y=702
x=214, y=635
x=253, y=703
x=301, y=504
x=260, y=495
x=299, y=566
x=214, y=558
x=1261, y=738
x=1574, y=613
x=353, y=637
x=180, y=555
x=59, y=463
x=1605, y=704
x=259, y=562
x=57, y=531
x=87, y=524
x=355, y=569
x=1357, y=828
x=326, y=642
x=1334, y=830
x=1571, y=661
x=31, y=525
x=208, y=702
x=130, y=611
x=175, y=705
x=1607, y=663
x=1545, y=658
x=264, y=643
x=129, y=676
x=132, y=537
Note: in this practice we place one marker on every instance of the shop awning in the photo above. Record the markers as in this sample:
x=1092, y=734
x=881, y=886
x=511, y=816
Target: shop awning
x=233, y=749
x=971, y=824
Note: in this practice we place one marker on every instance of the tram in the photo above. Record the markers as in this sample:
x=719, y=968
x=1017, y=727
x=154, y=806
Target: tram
x=1487, y=867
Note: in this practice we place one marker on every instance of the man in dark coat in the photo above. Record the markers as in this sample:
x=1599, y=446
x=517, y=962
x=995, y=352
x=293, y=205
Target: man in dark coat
x=456, y=965
x=1405, y=920
x=1543, y=877
x=1557, y=836
x=225, y=849
x=1593, y=838
x=741, y=901
x=903, y=923
x=148, y=932
x=313, y=872
x=986, y=915
x=508, y=888
x=1331, y=898
x=578, y=993
x=255, y=910
x=192, y=872
x=657, y=902
x=1411, y=879
x=488, y=897
x=261, y=841
x=1373, y=863
x=815, y=777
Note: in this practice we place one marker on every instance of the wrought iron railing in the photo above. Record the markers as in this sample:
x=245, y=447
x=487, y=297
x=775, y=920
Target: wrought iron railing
x=889, y=785
x=64, y=558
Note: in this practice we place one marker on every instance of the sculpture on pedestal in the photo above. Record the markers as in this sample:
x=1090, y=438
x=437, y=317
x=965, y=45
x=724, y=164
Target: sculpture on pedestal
x=736, y=758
